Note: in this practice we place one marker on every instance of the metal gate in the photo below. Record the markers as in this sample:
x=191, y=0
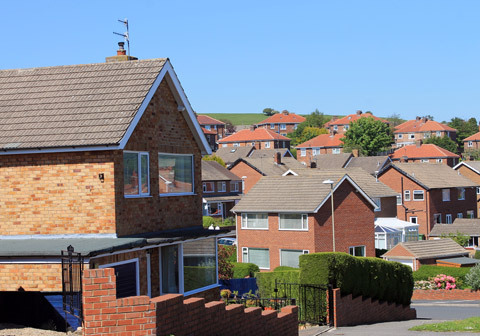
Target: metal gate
x=310, y=299
x=72, y=272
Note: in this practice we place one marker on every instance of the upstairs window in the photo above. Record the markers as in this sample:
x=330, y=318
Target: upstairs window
x=136, y=174
x=335, y=127
x=478, y=190
x=378, y=203
x=254, y=221
x=335, y=150
x=426, y=135
x=283, y=126
x=445, y=195
x=439, y=160
x=418, y=195
x=234, y=186
x=470, y=144
x=461, y=194
x=406, y=194
x=346, y=127
x=236, y=144
x=272, y=126
x=293, y=222
x=400, y=136
x=207, y=127
x=267, y=144
x=175, y=172
x=208, y=187
x=411, y=136
x=315, y=151
x=303, y=152
x=222, y=186
x=439, y=133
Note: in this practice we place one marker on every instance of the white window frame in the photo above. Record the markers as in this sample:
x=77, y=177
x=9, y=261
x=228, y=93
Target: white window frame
x=419, y=192
x=204, y=184
x=315, y=151
x=445, y=194
x=426, y=135
x=461, y=194
x=400, y=136
x=470, y=144
x=245, y=221
x=425, y=160
x=439, y=160
x=335, y=150
x=293, y=250
x=460, y=215
x=246, y=251
x=448, y=219
x=283, y=126
x=207, y=127
x=139, y=174
x=352, y=248
x=399, y=200
x=224, y=145
x=470, y=214
x=303, y=152
x=137, y=271
x=406, y=194
x=438, y=133
x=411, y=136
x=335, y=127
x=234, y=187
x=236, y=144
x=272, y=126
x=304, y=222
x=267, y=144
x=346, y=127
x=222, y=186
x=478, y=190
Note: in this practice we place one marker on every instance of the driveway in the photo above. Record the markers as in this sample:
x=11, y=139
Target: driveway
x=427, y=312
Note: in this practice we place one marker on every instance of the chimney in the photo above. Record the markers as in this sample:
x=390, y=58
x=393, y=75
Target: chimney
x=418, y=118
x=424, y=119
x=418, y=143
x=278, y=158
x=359, y=112
x=313, y=164
x=285, y=112
x=404, y=159
x=252, y=128
x=355, y=152
x=121, y=55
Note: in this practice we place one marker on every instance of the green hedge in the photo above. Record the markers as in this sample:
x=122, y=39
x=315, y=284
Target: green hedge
x=266, y=281
x=477, y=254
x=427, y=271
x=372, y=277
x=285, y=269
x=242, y=270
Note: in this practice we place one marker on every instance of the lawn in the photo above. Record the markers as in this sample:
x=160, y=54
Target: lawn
x=239, y=118
x=471, y=324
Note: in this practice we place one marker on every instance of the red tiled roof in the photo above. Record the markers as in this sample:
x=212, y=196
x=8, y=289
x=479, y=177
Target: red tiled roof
x=352, y=117
x=424, y=151
x=420, y=125
x=323, y=140
x=474, y=137
x=281, y=118
x=208, y=131
x=258, y=134
x=206, y=120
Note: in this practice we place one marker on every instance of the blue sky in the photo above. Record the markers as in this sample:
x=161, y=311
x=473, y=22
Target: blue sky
x=406, y=57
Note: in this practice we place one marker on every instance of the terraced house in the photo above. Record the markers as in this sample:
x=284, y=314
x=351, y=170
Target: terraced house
x=106, y=158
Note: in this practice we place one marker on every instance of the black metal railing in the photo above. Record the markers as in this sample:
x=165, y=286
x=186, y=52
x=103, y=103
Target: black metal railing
x=72, y=272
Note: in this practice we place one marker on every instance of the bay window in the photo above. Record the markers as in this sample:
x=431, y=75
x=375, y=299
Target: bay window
x=175, y=172
x=136, y=181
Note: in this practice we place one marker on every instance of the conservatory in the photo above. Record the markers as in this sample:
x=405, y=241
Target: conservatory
x=391, y=231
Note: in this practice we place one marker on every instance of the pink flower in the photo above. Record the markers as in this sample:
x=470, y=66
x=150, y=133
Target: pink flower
x=439, y=285
x=454, y=286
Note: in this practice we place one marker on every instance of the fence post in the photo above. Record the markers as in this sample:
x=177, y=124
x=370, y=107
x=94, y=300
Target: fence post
x=331, y=315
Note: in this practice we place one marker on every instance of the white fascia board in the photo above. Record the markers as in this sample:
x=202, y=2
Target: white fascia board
x=289, y=172
x=59, y=150
x=466, y=165
x=349, y=179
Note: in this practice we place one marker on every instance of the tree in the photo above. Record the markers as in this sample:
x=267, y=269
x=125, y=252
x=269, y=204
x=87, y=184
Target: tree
x=464, y=129
x=460, y=238
x=368, y=135
x=269, y=111
x=310, y=133
x=229, y=127
x=213, y=158
x=315, y=119
x=394, y=120
x=444, y=142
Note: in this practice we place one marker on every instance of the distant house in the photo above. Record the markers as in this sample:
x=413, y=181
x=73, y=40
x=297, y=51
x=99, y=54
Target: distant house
x=211, y=137
x=252, y=169
x=431, y=193
x=212, y=124
x=329, y=161
x=321, y=144
x=283, y=217
x=340, y=126
x=221, y=189
x=421, y=128
x=231, y=154
x=424, y=252
x=425, y=153
x=260, y=138
x=466, y=226
x=282, y=123
x=471, y=170
x=371, y=164
x=472, y=142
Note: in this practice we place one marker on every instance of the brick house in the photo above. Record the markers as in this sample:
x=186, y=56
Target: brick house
x=472, y=143
x=425, y=153
x=211, y=137
x=250, y=170
x=284, y=217
x=421, y=128
x=340, y=126
x=431, y=193
x=471, y=170
x=467, y=226
x=282, y=123
x=221, y=189
x=213, y=129
x=321, y=144
x=260, y=138
x=103, y=157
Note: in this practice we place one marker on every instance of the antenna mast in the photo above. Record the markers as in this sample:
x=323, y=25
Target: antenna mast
x=126, y=35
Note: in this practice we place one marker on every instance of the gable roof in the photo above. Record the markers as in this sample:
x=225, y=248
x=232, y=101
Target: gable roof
x=267, y=166
x=432, y=176
x=423, y=249
x=422, y=125
x=323, y=140
x=206, y=120
x=231, y=154
x=331, y=161
x=259, y=134
x=283, y=118
x=214, y=171
x=473, y=165
x=467, y=226
x=83, y=107
x=291, y=194
x=370, y=164
x=352, y=117
x=423, y=151
x=270, y=153
x=473, y=137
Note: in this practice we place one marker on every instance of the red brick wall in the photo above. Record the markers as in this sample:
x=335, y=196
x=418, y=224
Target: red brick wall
x=388, y=207
x=31, y=277
x=468, y=173
x=443, y=294
x=172, y=314
x=289, y=128
x=361, y=310
x=309, y=156
x=242, y=169
x=446, y=161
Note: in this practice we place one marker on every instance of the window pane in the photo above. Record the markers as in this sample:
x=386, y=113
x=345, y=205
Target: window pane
x=255, y=221
x=290, y=257
x=199, y=264
x=292, y=221
x=260, y=257
x=130, y=173
x=175, y=173
x=170, y=269
x=144, y=176
x=418, y=194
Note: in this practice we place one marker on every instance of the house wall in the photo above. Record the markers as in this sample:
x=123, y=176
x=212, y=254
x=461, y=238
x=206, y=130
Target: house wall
x=242, y=169
x=161, y=129
x=470, y=174
x=421, y=136
x=263, y=144
x=475, y=145
x=276, y=128
x=309, y=153
x=57, y=193
x=45, y=277
x=454, y=206
x=388, y=207
x=446, y=161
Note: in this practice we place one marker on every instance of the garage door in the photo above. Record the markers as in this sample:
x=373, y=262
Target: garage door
x=408, y=262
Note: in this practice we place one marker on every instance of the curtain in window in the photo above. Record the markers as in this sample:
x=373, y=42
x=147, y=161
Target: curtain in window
x=259, y=257
x=291, y=221
x=290, y=257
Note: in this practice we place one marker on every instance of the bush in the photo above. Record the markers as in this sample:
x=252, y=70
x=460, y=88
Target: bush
x=217, y=221
x=472, y=278
x=285, y=269
x=477, y=254
x=426, y=272
x=443, y=281
x=266, y=282
x=242, y=270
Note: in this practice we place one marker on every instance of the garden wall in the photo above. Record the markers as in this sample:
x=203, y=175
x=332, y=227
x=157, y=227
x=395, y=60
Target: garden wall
x=361, y=310
x=443, y=294
x=104, y=314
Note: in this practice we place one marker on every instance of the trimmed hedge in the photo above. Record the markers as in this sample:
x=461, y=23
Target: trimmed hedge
x=242, y=270
x=285, y=269
x=266, y=281
x=371, y=277
x=427, y=271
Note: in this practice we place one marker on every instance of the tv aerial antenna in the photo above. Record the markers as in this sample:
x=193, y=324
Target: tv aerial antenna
x=125, y=35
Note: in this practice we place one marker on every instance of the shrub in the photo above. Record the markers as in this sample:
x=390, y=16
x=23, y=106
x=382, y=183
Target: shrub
x=266, y=282
x=477, y=254
x=207, y=221
x=242, y=270
x=225, y=266
x=425, y=272
x=285, y=269
x=472, y=278
x=443, y=281
x=424, y=284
